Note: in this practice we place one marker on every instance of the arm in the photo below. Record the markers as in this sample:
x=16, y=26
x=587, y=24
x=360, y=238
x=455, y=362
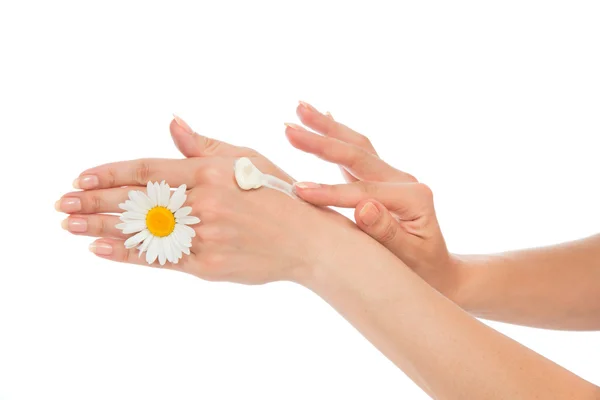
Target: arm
x=556, y=287
x=262, y=236
x=448, y=353
x=552, y=287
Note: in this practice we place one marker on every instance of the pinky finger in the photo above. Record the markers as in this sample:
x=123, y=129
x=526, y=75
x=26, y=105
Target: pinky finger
x=115, y=250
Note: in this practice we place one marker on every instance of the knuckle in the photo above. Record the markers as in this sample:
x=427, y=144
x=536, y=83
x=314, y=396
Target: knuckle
x=249, y=152
x=141, y=173
x=387, y=234
x=424, y=191
x=356, y=157
x=210, y=174
x=363, y=141
x=211, y=146
x=369, y=188
x=95, y=203
x=128, y=255
x=111, y=177
x=412, y=178
x=101, y=226
x=211, y=265
x=211, y=204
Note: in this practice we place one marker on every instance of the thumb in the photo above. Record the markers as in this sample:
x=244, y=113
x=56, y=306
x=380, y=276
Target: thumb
x=375, y=220
x=191, y=144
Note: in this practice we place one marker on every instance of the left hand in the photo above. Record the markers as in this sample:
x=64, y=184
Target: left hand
x=249, y=237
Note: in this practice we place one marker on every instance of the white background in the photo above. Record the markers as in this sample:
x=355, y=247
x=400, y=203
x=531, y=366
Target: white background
x=494, y=104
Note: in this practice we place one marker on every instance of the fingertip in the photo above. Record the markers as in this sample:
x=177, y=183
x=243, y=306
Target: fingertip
x=307, y=185
x=368, y=212
x=183, y=140
x=176, y=129
x=101, y=248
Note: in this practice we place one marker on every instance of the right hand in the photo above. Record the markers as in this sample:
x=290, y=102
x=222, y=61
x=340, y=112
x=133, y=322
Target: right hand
x=390, y=205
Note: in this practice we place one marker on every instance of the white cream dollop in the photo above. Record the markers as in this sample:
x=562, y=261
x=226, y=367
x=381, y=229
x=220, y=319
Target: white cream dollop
x=249, y=177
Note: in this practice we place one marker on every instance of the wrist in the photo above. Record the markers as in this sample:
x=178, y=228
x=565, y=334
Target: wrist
x=470, y=289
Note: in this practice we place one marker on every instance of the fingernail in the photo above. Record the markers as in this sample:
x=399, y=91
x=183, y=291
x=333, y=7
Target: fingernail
x=294, y=126
x=329, y=114
x=183, y=124
x=307, y=185
x=101, y=248
x=369, y=214
x=307, y=106
x=68, y=204
x=75, y=225
x=86, y=182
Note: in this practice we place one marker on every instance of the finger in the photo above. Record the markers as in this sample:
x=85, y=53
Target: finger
x=348, y=177
x=374, y=219
x=360, y=163
x=191, y=144
x=407, y=200
x=95, y=201
x=326, y=125
x=114, y=249
x=138, y=172
x=96, y=225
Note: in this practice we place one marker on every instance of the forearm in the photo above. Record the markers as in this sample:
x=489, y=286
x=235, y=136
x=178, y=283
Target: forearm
x=445, y=351
x=554, y=287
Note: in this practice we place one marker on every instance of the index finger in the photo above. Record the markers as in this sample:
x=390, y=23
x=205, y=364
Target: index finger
x=138, y=173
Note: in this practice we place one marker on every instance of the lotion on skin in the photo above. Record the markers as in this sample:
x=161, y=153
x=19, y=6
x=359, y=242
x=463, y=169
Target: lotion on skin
x=249, y=177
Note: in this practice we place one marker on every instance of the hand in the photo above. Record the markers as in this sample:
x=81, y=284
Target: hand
x=390, y=205
x=248, y=237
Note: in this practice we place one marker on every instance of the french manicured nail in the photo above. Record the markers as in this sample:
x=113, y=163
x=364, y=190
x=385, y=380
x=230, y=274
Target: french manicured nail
x=101, y=248
x=68, y=205
x=294, y=126
x=75, y=225
x=86, y=182
x=183, y=124
x=307, y=106
x=369, y=214
x=307, y=185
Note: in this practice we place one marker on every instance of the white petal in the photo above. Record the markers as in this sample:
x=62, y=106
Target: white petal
x=141, y=199
x=136, y=239
x=133, y=227
x=131, y=215
x=183, y=211
x=165, y=194
x=153, y=249
x=152, y=194
x=162, y=257
x=131, y=206
x=121, y=226
x=186, y=229
x=189, y=220
x=166, y=242
x=177, y=199
x=176, y=249
x=144, y=246
x=157, y=193
x=186, y=251
x=182, y=237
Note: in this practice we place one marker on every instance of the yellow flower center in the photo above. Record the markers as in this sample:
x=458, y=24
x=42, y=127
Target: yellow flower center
x=160, y=221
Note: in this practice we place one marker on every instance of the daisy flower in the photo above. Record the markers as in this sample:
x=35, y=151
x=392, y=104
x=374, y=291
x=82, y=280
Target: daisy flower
x=159, y=222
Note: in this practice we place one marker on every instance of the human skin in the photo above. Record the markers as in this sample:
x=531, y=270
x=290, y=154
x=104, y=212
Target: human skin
x=556, y=287
x=448, y=353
